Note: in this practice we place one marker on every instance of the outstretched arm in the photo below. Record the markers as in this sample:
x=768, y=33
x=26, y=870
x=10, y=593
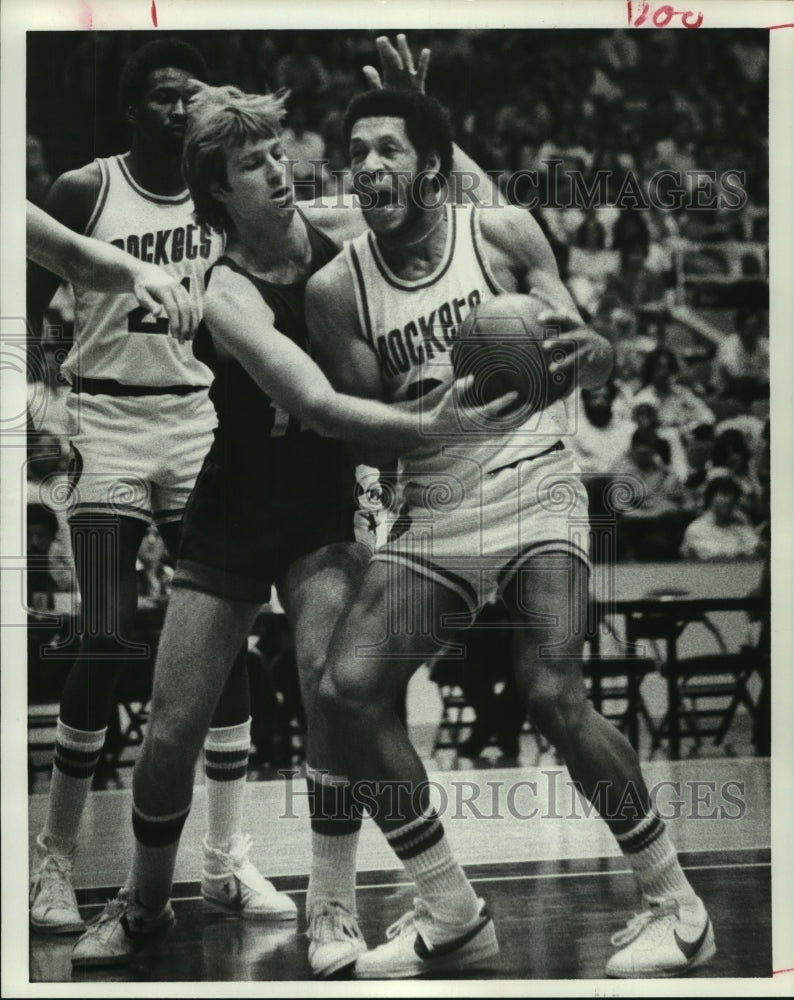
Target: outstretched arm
x=70, y=201
x=91, y=263
x=243, y=325
x=353, y=368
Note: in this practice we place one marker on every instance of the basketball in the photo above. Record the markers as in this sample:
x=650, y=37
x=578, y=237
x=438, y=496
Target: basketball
x=499, y=343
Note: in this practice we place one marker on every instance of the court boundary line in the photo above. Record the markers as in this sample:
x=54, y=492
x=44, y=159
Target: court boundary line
x=486, y=878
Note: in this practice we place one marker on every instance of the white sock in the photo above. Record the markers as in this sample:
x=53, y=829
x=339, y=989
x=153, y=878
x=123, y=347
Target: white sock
x=77, y=754
x=422, y=847
x=226, y=765
x=653, y=859
x=335, y=831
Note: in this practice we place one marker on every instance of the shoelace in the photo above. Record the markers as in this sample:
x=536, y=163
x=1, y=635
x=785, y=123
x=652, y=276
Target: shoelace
x=112, y=911
x=640, y=921
x=407, y=922
x=335, y=922
x=54, y=877
x=234, y=859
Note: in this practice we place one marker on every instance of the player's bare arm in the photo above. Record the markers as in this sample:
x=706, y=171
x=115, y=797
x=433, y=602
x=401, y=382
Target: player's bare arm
x=340, y=349
x=243, y=325
x=94, y=264
x=70, y=201
x=522, y=260
x=352, y=367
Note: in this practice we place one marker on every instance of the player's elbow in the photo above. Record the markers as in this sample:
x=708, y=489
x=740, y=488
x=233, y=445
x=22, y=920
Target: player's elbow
x=321, y=413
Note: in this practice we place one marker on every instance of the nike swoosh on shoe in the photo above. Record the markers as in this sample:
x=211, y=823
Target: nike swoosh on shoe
x=447, y=947
x=690, y=948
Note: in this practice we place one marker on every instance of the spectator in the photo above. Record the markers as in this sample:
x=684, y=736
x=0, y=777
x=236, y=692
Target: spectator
x=675, y=404
x=722, y=531
x=654, y=528
x=591, y=234
x=742, y=360
x=603, y=436
x=733, y=456
x=634, y=285
x=671, y=448
x=301, y=72
x=630, y=345
x=630, y=229
x=153, y=569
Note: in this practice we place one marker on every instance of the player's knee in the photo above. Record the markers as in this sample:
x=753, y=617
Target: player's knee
x=330, y=698
x=344, y=702
x=169, y=751
x=557, y=705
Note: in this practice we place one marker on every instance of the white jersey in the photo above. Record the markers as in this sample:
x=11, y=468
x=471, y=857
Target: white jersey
x=114, y=337
x=412, y=326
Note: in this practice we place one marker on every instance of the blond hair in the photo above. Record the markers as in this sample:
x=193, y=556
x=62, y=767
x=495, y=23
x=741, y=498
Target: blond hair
x=218, y=119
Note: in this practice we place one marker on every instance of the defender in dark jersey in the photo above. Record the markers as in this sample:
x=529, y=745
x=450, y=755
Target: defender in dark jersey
x=272, y=505
x=278, y=490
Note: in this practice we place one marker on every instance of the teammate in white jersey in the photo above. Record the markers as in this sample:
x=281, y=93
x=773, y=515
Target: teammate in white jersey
x=506, y=515
x=84, y=261
x=142, y=422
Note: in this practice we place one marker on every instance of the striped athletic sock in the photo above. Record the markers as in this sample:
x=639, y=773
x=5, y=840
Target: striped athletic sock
x=226, y=764
x=336, y=824
x=156, y=844
x=422, y=847
x=76, y=756
x=653, y=859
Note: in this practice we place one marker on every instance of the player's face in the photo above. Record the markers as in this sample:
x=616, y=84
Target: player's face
x=384, y=163
x=160, y=114
x=258, y=179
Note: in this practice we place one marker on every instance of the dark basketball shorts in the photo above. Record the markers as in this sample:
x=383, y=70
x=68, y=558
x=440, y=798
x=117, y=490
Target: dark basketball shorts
x=237, y=542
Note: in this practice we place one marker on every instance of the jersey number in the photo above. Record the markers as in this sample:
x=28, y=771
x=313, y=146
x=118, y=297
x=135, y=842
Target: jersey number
x=137, y=321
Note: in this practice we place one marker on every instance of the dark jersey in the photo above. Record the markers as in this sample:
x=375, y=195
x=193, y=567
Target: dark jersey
x=255, y=441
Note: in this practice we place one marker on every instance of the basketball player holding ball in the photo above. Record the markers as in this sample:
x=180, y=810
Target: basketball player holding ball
x=490, y=512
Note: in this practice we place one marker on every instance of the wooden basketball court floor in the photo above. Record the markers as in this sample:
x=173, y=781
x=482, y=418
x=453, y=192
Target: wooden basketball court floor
x=552, y=876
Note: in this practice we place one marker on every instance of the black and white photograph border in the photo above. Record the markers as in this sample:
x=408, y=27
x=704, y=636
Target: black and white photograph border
x=740, y=789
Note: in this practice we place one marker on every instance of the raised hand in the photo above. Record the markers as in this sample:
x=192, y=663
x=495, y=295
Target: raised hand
x=397, y=68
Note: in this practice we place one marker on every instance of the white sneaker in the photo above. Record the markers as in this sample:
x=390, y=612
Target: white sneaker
x=660, y=942
x=408, y=950
x=335, y=939
x=53, y=905
x=240, y=888
x=120, y=931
